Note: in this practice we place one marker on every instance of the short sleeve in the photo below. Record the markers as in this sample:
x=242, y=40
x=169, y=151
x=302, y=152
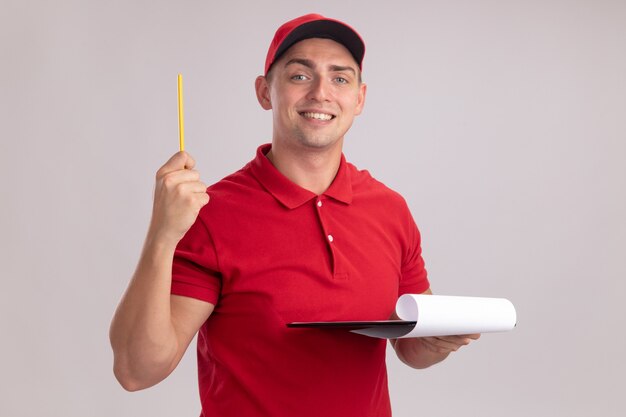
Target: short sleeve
x=414, y=279
x=195, y=270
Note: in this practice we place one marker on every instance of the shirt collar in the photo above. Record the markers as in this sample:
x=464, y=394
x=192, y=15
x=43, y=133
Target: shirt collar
x=290, y=194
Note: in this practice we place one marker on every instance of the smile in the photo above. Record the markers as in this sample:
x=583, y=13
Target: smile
x=317, y=116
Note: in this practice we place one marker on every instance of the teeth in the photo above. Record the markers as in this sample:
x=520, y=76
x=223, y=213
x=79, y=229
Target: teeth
x=318, y=116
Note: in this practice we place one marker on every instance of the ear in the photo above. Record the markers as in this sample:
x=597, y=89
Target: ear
x=360, y=99
x=263, y=92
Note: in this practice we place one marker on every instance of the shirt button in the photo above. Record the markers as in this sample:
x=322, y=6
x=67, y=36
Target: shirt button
x=330, y=238
x=319, y=203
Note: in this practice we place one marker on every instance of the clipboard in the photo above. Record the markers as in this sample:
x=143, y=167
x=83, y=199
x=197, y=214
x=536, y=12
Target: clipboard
x=388, y=329
x=423, y=315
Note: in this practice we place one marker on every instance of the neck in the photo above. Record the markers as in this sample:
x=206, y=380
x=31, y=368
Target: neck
x=313, y=170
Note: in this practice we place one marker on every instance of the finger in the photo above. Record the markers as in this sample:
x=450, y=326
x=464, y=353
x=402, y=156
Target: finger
x=450, y=344
x=458, y=340
x=203, y=199
x=200, y=200
x=439, y=349
x=189, y=161
x=196, y=187
x=442, y=345
x=188, y=190
x=173, y=178
x=178, y=161
x=462, y=339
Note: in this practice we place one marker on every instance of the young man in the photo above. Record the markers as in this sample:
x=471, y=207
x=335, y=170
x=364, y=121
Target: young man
x=298, y=234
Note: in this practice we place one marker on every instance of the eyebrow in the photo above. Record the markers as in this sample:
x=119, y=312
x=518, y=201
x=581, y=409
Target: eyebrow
x=310, y=64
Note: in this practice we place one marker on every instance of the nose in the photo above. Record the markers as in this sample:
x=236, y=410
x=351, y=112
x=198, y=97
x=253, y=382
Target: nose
x=320, y=90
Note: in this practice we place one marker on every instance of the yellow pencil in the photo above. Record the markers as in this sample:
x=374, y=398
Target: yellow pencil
x=181, y=121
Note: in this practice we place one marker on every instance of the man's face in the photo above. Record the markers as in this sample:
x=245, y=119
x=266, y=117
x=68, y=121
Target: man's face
x=314, y=93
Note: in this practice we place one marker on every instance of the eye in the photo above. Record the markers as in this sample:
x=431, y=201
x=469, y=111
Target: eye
x=299, y=77
x=341, y=80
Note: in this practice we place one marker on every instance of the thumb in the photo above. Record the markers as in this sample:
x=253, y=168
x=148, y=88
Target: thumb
x=178, y=161
x=188, y=162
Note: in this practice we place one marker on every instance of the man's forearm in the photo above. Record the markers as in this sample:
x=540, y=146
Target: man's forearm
x=142, y=335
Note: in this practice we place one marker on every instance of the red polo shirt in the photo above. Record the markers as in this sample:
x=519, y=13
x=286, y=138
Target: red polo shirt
x=267, y=252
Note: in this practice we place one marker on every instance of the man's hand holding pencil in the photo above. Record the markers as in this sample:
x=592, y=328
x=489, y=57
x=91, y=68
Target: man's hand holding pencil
x=179, y=194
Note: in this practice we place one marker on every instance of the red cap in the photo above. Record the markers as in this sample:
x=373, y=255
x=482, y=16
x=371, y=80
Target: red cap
x=314, y=26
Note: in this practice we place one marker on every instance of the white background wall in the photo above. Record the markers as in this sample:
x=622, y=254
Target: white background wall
x=503, y=123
